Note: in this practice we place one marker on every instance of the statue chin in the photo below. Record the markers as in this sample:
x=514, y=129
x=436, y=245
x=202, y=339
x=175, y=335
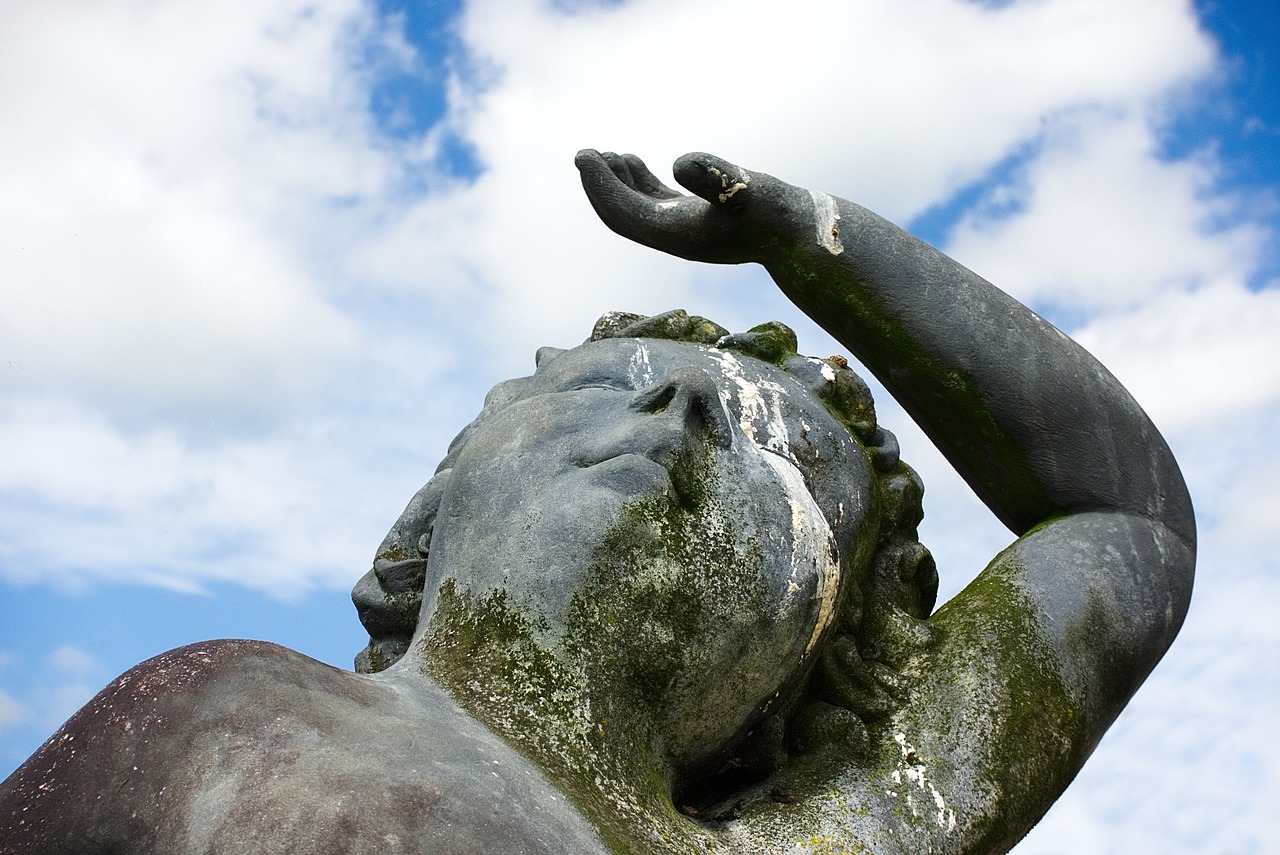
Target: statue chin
x=380, y=654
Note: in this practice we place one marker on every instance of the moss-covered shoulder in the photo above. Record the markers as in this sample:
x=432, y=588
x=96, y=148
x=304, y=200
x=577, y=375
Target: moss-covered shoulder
x=991, y=718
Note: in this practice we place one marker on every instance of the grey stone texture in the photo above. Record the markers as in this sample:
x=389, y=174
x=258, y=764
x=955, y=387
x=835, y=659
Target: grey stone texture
x=665, y=595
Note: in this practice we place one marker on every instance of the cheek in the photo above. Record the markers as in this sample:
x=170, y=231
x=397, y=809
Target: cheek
x=703, y=614
x=674, y=601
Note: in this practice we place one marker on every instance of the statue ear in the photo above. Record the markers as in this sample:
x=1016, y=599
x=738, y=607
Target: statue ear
x=904, y=576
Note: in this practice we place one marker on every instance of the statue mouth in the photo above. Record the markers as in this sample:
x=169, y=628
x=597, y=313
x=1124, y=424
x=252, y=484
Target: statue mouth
x=630, y=473
x=389, y=597
x=399, y=577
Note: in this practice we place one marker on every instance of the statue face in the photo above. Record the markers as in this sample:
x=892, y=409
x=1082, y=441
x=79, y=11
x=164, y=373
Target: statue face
x=651, y=505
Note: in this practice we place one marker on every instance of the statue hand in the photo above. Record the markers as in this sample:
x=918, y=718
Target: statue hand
x=735, y=216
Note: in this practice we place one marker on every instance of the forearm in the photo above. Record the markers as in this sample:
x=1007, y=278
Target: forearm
x=1035, y=424
x=1030, y=419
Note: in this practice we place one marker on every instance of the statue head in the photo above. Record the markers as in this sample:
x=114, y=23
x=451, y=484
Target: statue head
x=686, y=522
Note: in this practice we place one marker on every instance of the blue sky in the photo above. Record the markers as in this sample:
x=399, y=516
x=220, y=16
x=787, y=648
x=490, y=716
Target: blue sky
x=263, y=259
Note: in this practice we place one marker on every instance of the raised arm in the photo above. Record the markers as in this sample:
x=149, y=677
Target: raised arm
x=1033, y=422
x=1100, y=577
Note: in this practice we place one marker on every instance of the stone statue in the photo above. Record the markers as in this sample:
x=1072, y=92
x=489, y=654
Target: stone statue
x=665, y=594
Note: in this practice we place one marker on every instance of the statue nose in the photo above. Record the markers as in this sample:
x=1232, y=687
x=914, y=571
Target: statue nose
x=691, y=396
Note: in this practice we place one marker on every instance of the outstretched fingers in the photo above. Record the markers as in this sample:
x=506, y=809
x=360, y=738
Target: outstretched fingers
x=631, y=171
x=636, y=205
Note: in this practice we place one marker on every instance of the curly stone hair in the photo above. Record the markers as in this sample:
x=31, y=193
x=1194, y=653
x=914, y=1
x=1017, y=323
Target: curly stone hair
x=855, y=680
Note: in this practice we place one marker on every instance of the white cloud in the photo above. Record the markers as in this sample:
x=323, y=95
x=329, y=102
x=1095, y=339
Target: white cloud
x=180, y=252
x=166, y=167
x=893, y=107
x=54, y=689
x=868, y=97
x=85, y=500
x=181, y=262
x=1100, y=220
x=1194, y=357
x=1231, y=467
x=12, y=712
x=72, y=661
x=235, y=334
x=74, y=677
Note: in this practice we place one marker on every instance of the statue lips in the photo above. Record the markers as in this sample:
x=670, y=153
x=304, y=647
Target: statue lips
x=388, y=597
x=631, y=474
x=400, y=577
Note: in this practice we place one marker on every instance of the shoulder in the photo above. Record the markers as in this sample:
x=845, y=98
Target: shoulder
x=241, y=746
x=123, y=750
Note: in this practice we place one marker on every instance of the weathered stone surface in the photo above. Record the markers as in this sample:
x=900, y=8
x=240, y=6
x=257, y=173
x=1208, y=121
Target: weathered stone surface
x=665, y=595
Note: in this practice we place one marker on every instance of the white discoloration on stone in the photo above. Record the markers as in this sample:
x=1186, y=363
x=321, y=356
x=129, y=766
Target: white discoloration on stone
x=812, y=549
x=728, y=194
x=727, y=185
x=914, y=771
x=759, y=406
x=666, y=204
x=762, y=420
x=827, y=222
x=639, y=371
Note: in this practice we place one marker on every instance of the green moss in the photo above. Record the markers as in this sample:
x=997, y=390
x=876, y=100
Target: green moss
x=771, y=342
x=832, y=845
x=1012, y=736
x=944, y=394
x=375, y=659
x=669, y=578
x=598, y=705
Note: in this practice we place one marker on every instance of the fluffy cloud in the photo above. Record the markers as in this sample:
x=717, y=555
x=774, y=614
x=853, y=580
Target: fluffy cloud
x=176, y=341
x=11, y=711
x=1096, y=219
x=1196, y=356
x=240, y=321
x=72, y=677
x=169, y=168
x=86, y=500
x=893, y=108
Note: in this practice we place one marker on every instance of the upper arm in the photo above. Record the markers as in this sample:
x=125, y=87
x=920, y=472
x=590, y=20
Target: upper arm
x=1032, y=662
x=1106, y=593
